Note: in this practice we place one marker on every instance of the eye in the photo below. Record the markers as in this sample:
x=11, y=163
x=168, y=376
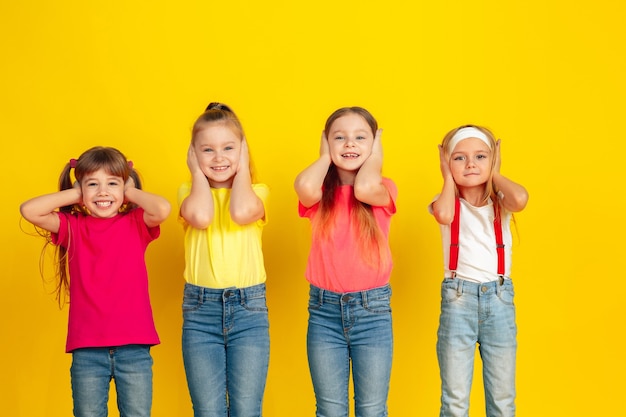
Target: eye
x=360, y=137
x=92, y=184
x=339, y=138
x=229, y=148
x=481, y=156
x=459, y=158
x=207, y=150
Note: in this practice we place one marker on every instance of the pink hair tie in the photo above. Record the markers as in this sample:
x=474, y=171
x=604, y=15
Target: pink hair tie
x=130, y=164
x=73, y=163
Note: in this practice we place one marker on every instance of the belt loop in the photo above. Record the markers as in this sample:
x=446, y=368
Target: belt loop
x=459, y=287
x=364, y=298
x=321, y=296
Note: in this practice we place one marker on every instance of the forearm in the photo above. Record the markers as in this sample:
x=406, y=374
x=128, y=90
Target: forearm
x=40, y=210
x=245, y=206
x=514, y=196
x=197, y=209
x=156, y=208
x=308, y=183
x=443, y=206
x=368, y=183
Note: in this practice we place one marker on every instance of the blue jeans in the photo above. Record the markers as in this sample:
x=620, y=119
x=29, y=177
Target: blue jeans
x=92, y=370
x=474, y=313
x=226, y=349
x=352, y=328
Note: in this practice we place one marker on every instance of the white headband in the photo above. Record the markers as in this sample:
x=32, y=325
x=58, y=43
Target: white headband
x=465, y=133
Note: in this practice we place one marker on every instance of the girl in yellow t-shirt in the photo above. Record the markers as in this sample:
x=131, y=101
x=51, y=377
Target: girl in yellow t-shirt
x=223, y=213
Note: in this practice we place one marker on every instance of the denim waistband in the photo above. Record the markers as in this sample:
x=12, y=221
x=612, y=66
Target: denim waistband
x=327, y=296
x=219, y=294
x=467, y=287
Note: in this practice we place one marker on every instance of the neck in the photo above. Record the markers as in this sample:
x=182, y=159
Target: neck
x=346, y=177
x=473, y=195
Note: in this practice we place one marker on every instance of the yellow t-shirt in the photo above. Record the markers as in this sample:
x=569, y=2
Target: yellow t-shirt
x=225, y=254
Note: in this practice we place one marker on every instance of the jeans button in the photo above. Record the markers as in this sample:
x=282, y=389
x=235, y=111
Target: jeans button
x=345, y=298
x=484, y=288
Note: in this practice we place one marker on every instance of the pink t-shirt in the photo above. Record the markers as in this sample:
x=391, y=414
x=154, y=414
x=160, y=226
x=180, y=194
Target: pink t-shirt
x=109, y=298
x=337, y=264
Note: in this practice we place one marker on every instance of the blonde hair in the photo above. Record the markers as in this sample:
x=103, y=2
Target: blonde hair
x=490, y=192
x=217, y=113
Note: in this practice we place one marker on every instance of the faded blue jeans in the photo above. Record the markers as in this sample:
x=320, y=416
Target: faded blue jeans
x=226, y=350
x=350, y=329
x=474, y=313
x=92, y=370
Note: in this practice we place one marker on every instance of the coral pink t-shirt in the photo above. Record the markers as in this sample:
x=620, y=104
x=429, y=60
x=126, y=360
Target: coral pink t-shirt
x=109, y=298
x=337, y=263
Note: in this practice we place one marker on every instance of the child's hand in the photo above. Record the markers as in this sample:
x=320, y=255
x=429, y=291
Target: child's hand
x=324, y=147
x=444, y=164
x=192, y=160
x=130, y=183
x=498, y=162
x=377, y=146
x=244, y=156
x=79, y=190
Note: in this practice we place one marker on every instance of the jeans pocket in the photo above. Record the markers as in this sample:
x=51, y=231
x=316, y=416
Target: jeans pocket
x=449, y=292
x=255, y=303
x=506, y=295
x=378, y=305
x=314, y=302
x=191, y=300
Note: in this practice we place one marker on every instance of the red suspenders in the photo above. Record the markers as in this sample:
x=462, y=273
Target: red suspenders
x=454, y=239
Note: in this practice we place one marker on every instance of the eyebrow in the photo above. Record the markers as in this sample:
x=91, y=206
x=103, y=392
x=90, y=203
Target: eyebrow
x=334, y=132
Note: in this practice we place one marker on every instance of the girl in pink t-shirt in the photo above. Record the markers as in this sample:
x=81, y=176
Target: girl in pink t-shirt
x=101, y=225
x=350, y=205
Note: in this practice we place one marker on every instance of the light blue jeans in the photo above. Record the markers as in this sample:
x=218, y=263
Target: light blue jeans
x=474, y=313
x=92, y=370
x=350, y=329
x=226, y=350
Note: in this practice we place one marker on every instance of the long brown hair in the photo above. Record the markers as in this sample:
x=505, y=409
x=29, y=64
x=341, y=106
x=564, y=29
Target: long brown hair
x=114, y=163
x=371, y=239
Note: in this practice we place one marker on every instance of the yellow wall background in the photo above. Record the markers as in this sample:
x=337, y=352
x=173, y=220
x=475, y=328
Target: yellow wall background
x=547, y=77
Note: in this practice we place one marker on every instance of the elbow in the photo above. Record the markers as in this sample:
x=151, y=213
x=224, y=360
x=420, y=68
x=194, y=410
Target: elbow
x=443, y=217
x=366, y=191
x=246, y=215
x=198, y=221
x=518, y=201
x=26, y=212
x=163, y=211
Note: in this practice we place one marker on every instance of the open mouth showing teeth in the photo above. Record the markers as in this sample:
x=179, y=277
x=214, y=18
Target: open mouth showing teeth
x=219, y=168
x=350, y=155
x=103, y=204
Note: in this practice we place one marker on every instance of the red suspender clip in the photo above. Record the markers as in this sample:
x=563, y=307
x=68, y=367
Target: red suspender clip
x=454, y=240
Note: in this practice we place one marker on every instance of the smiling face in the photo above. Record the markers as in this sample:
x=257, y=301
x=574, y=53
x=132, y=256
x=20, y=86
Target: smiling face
x=102, y=193
x=218, y=148
x=470, y=163
x=350, y=140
